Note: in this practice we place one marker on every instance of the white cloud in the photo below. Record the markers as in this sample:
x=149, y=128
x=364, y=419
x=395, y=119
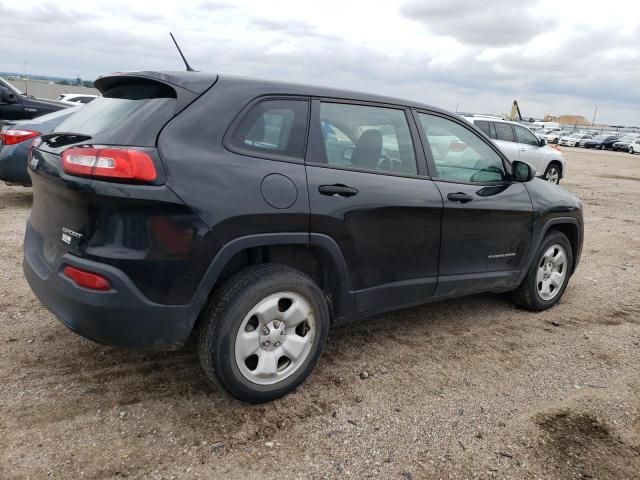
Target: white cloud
x=554, y=57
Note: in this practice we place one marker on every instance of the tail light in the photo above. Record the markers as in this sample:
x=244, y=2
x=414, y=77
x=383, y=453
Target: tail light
x=109, y=163
x=13, y=137
x=85, y=279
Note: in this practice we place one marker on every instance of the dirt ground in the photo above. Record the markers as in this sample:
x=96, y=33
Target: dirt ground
x=469, y=388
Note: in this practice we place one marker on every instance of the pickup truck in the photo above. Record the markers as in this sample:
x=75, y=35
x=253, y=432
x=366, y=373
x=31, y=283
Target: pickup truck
x=16, y=105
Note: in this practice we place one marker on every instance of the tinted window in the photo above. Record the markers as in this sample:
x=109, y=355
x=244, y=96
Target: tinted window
x=371, y=138
x=130, y=114
x=458, y=153
x=276, y=128
x=504, y=132
x=525, y=136
x=485, y=127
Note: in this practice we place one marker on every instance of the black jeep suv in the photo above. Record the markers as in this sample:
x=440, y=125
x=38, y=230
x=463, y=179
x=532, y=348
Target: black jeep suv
x=254, y=215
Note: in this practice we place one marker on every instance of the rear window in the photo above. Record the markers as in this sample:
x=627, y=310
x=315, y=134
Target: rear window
x=129, y=114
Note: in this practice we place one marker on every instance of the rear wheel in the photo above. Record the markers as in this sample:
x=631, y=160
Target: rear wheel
x=552, y=173
x=548, y=275
x=263, y=332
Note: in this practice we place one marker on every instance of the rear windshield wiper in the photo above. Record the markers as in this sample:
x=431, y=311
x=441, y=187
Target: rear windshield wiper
x=60, y=139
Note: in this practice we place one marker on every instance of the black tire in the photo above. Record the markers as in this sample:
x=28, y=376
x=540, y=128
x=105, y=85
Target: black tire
x=526, y=295
x=553, y=166
x=230, y=304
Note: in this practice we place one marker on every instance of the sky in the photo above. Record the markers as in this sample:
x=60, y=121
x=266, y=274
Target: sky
x=554, y=57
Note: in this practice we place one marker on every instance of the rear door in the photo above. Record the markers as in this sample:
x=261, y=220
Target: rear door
x=506, y=140
x=486, y=216
x=370, y=193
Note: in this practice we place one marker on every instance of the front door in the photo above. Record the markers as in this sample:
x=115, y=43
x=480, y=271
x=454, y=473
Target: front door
x=369, y=193
x=486, y=218
x=530, y=149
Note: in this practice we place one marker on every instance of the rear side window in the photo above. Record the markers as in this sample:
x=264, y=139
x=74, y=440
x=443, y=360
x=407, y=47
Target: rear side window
x=367, y=137
x=127, y=114
x=273, y=129
x=486, y=127
x=504, y=132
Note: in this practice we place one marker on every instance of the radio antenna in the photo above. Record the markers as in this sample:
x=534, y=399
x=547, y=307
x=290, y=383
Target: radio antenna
x=186, y=64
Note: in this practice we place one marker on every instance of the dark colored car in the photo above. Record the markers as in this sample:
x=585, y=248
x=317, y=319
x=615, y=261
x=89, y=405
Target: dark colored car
x=16, y=139
x=622, y=145
x=15, y=105
x=255, y=214
x=601, y=142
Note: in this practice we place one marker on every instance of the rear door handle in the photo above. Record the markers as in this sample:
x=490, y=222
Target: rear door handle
x=337, y=190
x=459, y=197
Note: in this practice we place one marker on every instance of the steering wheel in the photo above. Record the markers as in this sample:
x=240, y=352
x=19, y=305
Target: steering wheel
x=381, y=164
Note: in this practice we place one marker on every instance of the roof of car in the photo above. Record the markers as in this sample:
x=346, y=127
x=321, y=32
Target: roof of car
x=197, y=82
x=493, y=119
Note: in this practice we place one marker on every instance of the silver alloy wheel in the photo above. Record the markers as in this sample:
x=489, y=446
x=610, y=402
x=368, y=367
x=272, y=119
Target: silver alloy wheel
x=552, y=271
x=275, y=338
x=552, y=175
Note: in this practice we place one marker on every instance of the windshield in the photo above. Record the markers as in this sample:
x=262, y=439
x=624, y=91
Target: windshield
x=4, y=83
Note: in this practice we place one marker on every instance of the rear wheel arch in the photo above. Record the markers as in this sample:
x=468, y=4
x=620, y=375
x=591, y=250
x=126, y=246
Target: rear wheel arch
x=318, y=256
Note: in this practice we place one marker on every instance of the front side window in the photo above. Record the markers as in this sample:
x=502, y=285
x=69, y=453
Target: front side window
x=525, y=136
x=366, y=137
x=275, y=128
x=504, y=132
x=458, y=153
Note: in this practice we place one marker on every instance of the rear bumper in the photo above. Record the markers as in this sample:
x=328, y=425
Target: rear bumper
x=121, y=317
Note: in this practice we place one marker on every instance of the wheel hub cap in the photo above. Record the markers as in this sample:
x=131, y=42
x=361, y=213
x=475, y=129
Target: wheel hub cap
x=552, y=271
x=275, y=338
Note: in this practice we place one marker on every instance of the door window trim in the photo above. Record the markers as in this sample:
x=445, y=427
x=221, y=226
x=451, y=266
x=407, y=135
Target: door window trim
x=315, y=144
x=266, y=155
x=506, y=164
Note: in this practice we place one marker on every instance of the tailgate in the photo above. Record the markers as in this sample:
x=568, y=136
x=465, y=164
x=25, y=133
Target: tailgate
x=60, y=213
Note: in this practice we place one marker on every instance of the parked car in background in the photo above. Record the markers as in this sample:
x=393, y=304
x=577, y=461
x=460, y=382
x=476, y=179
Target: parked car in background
x=600, y=141
x=16, y=139
x=622, y=145
x=634, y=147
x=76, y=98
x=519, y=143
x=574, y=140
x=16, y=105
x=553, y=135
x=291, y=209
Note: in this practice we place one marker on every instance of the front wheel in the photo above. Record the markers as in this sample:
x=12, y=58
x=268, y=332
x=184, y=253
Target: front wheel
x=631, y=150
x=263, y=332
x=548, y=275
x=552, y=174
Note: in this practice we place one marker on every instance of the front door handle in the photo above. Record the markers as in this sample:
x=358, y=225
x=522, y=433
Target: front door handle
x=459, y=197
x=337, y=190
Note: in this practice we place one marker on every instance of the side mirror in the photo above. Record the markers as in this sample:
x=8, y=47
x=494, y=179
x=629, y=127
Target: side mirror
x=522, y=171
x=7, y=96
x=542, y=142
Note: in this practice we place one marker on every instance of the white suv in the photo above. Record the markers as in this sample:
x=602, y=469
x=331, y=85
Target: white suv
x=519, y=143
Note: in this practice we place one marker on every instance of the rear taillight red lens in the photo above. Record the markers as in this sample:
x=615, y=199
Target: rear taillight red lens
x=13, y=137
x=85, y=279
x=109, y=163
